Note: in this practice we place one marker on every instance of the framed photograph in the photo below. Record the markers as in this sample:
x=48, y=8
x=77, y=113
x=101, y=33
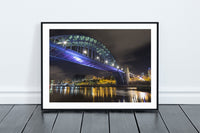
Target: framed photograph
x=99, y=65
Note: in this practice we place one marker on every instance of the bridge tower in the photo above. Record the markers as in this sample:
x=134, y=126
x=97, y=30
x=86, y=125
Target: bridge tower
x=127, y=75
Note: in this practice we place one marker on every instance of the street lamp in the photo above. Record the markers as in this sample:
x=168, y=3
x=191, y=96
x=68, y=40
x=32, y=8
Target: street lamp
x=97, y=57
x=64, y=42
x=122, y=69
x=106, y=62
x=117, y=67
x=113, y=64
x=84, y=51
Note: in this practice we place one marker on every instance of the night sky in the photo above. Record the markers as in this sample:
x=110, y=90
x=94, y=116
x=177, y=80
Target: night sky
x=130, y=48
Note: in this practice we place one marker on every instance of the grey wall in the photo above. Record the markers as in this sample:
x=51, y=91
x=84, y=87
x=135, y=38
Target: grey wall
x=20, y=41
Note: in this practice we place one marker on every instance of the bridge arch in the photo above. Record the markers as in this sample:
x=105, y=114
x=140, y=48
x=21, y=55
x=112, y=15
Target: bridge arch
x=86, y=45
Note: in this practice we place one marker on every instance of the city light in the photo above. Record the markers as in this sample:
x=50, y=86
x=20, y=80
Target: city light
x=97, y=57
x=113, y=64
x=117, y=67
x=84, y=51
x=64, y=42
x=106, y=62
x=122, y=69
x=142, y=94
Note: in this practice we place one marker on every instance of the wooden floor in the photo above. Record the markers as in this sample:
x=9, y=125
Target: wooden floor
x=169, y=118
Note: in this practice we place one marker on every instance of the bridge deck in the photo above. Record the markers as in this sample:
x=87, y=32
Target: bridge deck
x=169, y=118
x=59, y=52
x=75, y=57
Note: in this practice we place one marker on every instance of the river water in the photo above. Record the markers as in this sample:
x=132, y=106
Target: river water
x=98, y=94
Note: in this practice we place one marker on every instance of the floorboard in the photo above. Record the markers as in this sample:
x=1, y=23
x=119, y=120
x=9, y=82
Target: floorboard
x=150, y=122
x=68, y=122
x=175, y=119
x=169, y=118
x=122, y=121
x=193, y=112
x=16, y=119
x=95, y=122
x=40, y=122
x=4, y=110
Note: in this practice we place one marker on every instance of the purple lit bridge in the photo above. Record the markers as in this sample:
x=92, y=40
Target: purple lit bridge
x=86, y=51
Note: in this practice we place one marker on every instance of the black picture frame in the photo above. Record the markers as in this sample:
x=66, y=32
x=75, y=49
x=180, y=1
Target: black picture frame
x=93, y=109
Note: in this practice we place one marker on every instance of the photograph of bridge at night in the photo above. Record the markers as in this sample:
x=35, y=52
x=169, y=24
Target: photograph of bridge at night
x=100, y=65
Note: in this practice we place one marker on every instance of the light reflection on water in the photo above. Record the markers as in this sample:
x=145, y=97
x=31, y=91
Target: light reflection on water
x=98, y=94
